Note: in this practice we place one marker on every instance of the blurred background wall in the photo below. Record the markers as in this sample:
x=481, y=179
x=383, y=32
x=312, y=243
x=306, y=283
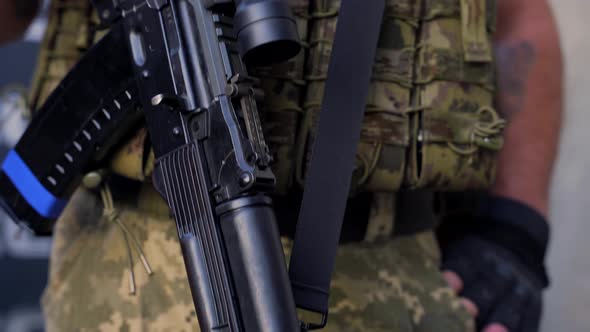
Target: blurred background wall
x=23, y=260
x=568, y=300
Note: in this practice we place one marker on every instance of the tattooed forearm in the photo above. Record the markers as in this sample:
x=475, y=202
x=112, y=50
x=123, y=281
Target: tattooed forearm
x=530, y=94
x=514, y=62
x=26, y=8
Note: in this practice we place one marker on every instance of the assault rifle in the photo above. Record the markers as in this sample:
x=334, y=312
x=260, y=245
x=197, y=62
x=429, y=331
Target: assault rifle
x=178, y=65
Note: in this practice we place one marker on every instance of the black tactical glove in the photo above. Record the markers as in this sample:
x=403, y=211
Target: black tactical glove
x=500, y=258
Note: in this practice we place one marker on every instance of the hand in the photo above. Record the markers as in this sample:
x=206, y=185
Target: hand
x=502, y=294
x=495, y=262
x=456, y=283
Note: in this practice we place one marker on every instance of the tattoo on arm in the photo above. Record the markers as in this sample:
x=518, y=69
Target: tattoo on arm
x=514, y=62
x=25, y=9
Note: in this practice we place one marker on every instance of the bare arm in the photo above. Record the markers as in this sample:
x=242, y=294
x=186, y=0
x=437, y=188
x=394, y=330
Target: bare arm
x=530, y=97
x=15, y=17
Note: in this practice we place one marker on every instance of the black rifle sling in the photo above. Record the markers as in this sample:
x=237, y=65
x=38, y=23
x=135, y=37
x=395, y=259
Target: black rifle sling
x=328, y=178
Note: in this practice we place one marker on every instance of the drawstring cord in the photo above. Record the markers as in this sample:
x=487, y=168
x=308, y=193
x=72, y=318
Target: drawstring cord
x=111, y=213
x=483, y=130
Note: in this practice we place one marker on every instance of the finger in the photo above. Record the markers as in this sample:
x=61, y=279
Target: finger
x=454, y=281
x=496, y=328
x=470, y=307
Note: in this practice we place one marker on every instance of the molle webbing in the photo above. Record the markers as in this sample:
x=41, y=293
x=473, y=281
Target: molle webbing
x=428, y=100
x=414, y=12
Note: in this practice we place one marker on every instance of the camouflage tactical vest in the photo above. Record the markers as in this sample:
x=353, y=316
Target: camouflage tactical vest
x=429, y=121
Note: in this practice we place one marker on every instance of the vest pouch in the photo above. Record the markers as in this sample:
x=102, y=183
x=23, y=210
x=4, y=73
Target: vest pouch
x=380, y=164
x=385, y=135
x=455, y=141
x=385, y=138
x=455, y=131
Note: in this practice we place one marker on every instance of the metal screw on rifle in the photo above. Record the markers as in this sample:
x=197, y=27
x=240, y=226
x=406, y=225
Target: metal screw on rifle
x=245, y=179
x=176, y=131
x=157, y=99
x=145, y=73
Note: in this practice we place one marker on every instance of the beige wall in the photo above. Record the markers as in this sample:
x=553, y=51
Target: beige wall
x=568, y=301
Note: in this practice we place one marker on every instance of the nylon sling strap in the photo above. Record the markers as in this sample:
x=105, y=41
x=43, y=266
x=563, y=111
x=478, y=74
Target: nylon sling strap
x=328, y=178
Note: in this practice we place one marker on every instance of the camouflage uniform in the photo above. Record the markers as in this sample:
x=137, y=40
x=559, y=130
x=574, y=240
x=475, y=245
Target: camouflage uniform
x=429, y=124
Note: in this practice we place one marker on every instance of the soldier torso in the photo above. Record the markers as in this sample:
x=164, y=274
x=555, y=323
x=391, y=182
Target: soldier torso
x=429, y=121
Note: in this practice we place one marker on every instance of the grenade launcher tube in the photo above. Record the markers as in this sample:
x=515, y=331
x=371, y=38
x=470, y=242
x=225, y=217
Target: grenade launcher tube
x=258, y=267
